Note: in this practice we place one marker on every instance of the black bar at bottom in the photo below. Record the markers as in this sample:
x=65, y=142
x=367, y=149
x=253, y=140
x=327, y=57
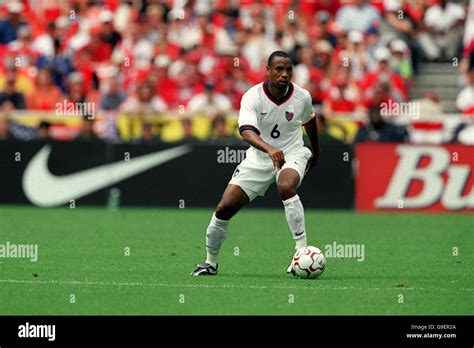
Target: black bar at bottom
x=209, y=330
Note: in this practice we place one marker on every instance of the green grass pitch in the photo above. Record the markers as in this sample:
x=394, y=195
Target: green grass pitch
x=82, y=253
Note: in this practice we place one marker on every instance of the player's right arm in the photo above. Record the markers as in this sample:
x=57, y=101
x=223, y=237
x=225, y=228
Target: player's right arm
x=249, y=129
x=251, y=137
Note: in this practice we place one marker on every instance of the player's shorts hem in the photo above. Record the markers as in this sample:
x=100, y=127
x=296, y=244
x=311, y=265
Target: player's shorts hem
x=250, y=194
x=300, y=167
x=295, y=168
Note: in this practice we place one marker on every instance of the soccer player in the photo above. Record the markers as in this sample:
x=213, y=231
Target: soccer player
x=270, y=120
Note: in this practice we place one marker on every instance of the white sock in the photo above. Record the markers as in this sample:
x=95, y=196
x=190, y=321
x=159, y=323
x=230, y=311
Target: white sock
x=294, y=212
x=215, y=236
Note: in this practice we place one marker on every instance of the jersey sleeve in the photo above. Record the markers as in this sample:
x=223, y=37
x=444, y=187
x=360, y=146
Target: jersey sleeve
x=248, y=114
x=308, y=111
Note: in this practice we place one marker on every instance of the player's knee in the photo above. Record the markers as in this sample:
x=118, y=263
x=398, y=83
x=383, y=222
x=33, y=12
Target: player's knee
x=286, y=190
x=224, y=211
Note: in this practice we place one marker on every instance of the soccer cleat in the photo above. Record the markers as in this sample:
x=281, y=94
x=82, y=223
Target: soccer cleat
x=204, y=269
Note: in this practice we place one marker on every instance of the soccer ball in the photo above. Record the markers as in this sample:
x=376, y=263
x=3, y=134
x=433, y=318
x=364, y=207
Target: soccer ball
x=309, y=262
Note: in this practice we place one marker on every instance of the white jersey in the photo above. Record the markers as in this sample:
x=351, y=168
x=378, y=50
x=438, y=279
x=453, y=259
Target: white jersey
x=277, y=121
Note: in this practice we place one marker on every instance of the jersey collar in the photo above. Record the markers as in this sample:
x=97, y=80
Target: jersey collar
x=281, y=100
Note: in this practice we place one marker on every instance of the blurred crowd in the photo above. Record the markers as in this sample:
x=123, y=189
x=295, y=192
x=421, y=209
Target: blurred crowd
x=145, y=58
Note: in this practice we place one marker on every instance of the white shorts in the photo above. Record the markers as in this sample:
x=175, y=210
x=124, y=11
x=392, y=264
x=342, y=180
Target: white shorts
x=254, y=176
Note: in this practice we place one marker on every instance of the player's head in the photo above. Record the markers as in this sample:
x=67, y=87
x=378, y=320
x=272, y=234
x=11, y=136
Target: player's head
x=280, y=69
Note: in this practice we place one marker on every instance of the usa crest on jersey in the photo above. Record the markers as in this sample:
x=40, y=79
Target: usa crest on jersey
x=290, y=113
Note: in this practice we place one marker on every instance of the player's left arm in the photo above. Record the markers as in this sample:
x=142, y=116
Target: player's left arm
x=311, y=128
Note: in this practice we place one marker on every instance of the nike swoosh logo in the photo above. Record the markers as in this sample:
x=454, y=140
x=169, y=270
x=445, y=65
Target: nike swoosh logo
x=47, y=190
x=299, y=234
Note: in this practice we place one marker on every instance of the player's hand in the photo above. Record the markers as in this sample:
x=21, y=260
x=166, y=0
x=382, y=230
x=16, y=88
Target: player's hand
x=277, y=157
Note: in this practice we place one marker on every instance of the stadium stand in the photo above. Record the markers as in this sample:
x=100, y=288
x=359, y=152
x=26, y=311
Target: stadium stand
x=176, y=71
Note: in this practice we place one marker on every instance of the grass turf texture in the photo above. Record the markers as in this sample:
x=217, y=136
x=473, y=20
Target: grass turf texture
x=82, y=252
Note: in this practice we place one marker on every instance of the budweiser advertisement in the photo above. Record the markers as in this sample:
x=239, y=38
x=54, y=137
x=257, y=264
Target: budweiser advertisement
x=406, y=177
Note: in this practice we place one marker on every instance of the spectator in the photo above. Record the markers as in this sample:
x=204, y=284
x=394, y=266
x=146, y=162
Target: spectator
x=63, y=30
x=429, y=105
x=228, y=88
x=358, y=16
x=202, y=27
x=404, y=27
x=10, y=99
x=225, y=33
x=88, y=133
x=5, y=133
x=258, y=46
x=395, y=84
x=259, y=13
x=324, y=22
x=396, y=25
x=44, y=43
x=468, y=40
x=154, y=21
x=176, y=30
x=21, y=48
x=291, y=37
x=157, y=75
x=148, y=136
x=382, y=91
x=42, y=132
x=322, y=69
x=45, y=94
x=188, y=136
x=465, y=99
x=144, y=102
x=427, y=124
x=380, y=130
x=187, y=85
x=401, y=62
x=219, y=130
x=113, y=96
x=302, y=71
x=76, y=90
x=357, y=54
x=98, y=50
x=9, y=26
x=209, y=101
x=331, y=6
x=342, y=95
x=58, y=63
x=241, y=79
x=135, y=47
x=108, y=33
x=373, y=43
x=444, y=29
x=23, y=79
x=322, y=60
